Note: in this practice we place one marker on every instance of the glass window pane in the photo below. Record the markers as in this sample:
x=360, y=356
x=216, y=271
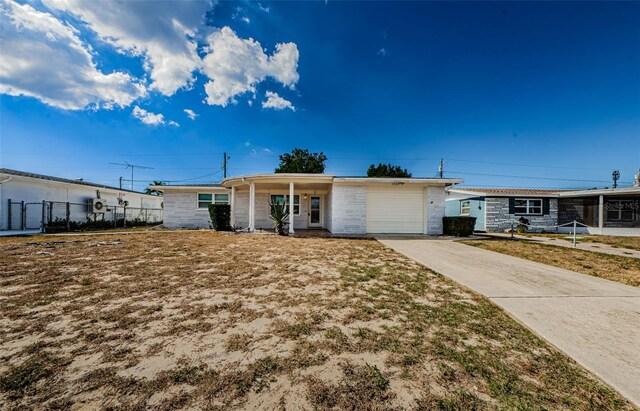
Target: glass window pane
x=520, y=203
x=535, y=203
x=627, y=215
x=222, y=198
x=203, y=204
x=204, y=197
x=521, y=210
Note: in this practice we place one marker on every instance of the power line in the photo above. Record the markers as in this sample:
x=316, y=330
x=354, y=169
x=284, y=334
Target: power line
x=529, y=177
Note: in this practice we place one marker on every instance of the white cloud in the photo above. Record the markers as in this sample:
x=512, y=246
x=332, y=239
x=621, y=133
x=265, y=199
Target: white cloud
x=190, y=113
x=276, y=102
x=151, y=119
x=45, y=59
x=161, y=31
x=382, y=52
x=263, y=8
x=235, y=66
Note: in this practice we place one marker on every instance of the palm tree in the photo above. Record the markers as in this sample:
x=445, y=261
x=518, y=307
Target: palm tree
x=154, y=192
x=279, y=216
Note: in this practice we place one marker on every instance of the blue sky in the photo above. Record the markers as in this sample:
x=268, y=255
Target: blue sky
x=509, y=94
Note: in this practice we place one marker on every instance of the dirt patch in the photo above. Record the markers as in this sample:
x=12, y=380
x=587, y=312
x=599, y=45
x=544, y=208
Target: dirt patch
x=203, y=320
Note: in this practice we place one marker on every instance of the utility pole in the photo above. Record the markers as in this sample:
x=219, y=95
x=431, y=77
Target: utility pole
x=224, y=165
x=615, y=176
x=441, y=168
x=131, y=166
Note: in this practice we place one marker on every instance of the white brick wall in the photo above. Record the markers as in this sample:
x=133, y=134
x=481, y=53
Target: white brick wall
x=262, y=211
x=434, y=210
x=241, y=209
x=348, y=209
x=328, y=210
x=180, y=211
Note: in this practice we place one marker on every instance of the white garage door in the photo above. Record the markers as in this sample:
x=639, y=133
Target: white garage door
x=395, y=209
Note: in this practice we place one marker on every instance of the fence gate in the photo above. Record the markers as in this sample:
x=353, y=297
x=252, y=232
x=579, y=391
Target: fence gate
x=25, y=216
x=33, y=216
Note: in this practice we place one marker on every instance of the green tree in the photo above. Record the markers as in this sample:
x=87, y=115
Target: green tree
x=302, y=161
x=387, y=170
x=152, y=191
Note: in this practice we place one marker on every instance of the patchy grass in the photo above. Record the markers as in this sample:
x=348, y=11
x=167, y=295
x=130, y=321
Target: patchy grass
x=624, y=270
x=206, y=320
x=631, y=243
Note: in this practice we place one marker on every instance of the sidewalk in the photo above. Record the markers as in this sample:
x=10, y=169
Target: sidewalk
x=594, y=321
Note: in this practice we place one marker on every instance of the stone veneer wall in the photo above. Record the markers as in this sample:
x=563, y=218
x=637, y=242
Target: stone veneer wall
x=348, y=209
x=434, y=210
x=499, y=219
x=180, y=211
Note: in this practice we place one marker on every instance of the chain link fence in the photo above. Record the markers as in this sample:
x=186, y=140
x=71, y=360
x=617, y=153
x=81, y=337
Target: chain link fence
x=66, y=216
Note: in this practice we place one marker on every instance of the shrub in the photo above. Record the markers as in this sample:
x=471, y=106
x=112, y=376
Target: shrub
x=460, y=226
x=220, y=216
x=279, y=216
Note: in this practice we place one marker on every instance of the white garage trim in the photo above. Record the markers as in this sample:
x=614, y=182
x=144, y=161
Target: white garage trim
x=395, y=209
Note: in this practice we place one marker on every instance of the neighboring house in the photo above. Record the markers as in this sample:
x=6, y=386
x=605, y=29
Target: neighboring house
x=32, y=189
x=341, y=205
x=606, y=211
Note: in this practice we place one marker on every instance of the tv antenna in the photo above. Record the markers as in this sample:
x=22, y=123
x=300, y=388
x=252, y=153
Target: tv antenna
x=132, y=167
x=615, y=176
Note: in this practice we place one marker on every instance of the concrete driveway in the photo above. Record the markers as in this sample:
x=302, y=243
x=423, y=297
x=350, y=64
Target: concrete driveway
x=594, y=321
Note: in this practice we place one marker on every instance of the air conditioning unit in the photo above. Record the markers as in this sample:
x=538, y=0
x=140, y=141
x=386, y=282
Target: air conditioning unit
x=98, y=206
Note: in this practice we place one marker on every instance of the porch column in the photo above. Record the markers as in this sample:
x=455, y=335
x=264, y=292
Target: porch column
x=252, y=207
x=601, y=213
x=233, y=206
x=291, y=231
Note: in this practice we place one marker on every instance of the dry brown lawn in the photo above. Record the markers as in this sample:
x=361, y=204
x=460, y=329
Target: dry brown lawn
x=203, y=320
x=624, y=270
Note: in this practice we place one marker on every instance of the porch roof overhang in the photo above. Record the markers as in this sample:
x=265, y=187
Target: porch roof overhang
x=624, y=191
x=277, y=178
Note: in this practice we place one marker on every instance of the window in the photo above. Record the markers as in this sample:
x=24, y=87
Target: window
x=205, y=199
x=221, y=199
x=284, y=199
x=620, y=210
x=528, y=206
x=465, y=207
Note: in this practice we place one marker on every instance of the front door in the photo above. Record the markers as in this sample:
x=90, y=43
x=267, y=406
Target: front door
x=315, y=212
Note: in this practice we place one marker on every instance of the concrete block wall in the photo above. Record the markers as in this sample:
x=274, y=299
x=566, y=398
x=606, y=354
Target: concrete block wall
x=180, y=211
x=348, y=209
x=241, y=209
x=499, y=219
x=434, y=210
x=328, y=209
x=263, y=221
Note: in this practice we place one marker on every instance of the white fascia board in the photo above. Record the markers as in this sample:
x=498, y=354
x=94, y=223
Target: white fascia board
x=188, y=188
x=391, y=180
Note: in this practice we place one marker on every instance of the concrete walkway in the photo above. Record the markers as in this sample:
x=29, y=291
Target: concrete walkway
x=594, y=321
x=596, y=247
